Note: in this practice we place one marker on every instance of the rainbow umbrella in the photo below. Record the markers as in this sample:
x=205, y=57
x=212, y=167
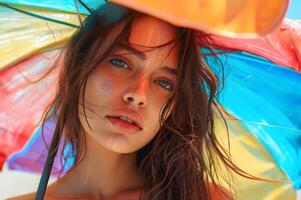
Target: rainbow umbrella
x=262, y=94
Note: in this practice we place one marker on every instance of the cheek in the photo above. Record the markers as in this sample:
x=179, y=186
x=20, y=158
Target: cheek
x=99, y=86
x=155, y=115
x=98, y=92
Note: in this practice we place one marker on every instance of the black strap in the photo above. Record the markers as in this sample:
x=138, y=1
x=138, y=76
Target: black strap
x=48, y=165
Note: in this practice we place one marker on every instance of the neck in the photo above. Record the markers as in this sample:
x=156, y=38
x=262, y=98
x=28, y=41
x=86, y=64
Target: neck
x=102, y=173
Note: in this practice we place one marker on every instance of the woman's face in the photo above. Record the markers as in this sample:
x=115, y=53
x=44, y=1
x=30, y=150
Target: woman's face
x=126, y=93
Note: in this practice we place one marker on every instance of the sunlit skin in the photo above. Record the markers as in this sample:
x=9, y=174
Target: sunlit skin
x=126, y=82
x=132, y=83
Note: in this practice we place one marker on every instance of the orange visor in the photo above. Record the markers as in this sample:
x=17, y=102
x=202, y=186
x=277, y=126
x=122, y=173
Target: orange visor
x=235, y=18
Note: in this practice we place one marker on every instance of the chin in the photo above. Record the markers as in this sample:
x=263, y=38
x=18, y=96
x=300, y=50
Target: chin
x=119, y=143
x=125, y=149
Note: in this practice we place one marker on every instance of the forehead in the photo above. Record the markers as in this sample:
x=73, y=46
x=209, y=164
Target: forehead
x=147, y=31
x=150, y=32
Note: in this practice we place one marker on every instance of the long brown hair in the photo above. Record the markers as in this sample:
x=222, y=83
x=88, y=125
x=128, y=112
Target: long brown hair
x=180, y=161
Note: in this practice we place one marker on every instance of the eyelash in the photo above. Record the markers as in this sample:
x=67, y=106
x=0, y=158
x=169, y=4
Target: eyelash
x=114, y=60
x=121, y=64
x=170, y=85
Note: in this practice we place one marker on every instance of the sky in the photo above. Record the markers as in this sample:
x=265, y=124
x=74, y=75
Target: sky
x=294, y=10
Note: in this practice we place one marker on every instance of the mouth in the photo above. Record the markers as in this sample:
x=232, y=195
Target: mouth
x=124, y=123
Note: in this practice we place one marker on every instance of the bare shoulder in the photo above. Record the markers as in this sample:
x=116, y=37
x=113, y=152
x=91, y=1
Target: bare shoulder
x=30, y=196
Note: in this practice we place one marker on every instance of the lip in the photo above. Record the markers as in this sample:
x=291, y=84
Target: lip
x=134, y=117
x=122, y=126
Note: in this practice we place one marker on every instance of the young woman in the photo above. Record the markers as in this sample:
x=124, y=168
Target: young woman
x=136, y=102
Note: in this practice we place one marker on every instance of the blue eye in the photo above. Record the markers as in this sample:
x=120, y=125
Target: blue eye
x=165, y=84
x=119, y=63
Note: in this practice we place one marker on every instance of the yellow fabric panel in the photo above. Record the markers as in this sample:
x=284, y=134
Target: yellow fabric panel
x=228, y=17
x=251, y=156
x=22, y=35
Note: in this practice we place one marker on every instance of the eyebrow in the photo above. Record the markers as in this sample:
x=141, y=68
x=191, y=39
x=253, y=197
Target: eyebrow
x=169, y=70
x=142, y=55
x=131, y=49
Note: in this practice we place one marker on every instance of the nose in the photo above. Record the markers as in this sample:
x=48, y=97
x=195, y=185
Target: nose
x=136, y=96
